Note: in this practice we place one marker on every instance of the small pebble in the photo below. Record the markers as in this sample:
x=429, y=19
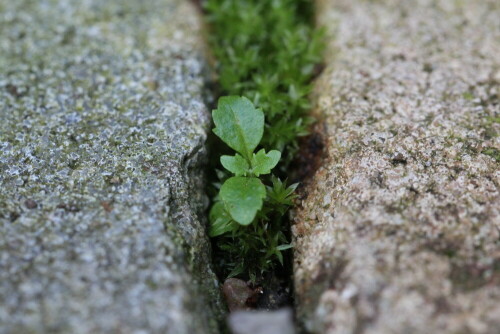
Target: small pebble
x=236, y=293
x=262, y=322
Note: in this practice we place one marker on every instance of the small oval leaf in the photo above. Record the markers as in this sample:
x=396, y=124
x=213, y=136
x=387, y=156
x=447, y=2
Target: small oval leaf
x=243, y=197
x=235, y=164
x=239, y=124
x=220, y=221
x=263, y=162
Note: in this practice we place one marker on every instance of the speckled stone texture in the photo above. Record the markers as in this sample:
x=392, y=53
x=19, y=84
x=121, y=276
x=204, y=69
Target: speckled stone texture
x=102, y=132
x=398, y=231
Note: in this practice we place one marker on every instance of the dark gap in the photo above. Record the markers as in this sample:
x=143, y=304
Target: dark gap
x=285, y=105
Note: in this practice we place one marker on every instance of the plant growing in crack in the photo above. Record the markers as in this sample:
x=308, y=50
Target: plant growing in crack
x=246, y=215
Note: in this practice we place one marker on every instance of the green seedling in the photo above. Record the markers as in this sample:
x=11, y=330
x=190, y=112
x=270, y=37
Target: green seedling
x=241, y=126
x=267, y=51
x=242, y=196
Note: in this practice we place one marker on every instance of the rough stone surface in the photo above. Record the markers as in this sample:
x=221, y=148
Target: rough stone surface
x=262, y=322
x=102, y=134
x=398, y=231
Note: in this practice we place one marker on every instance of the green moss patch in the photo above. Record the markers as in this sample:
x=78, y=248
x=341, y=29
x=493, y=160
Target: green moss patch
x=268, y=52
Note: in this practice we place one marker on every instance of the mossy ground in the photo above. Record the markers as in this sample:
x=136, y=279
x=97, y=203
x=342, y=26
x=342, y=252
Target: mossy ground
x=267, y=51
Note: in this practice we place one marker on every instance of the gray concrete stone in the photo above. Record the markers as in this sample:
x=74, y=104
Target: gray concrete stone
x=262, y=322
x=102, y=132
x=398, y=231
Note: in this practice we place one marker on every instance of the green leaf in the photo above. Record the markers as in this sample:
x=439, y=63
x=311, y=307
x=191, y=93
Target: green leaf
x=284, y=247
x=243, y=197
x=220, y=220
x=239, y=124
x=280, y=257
x=236, y=270
x=235, y=164
x=263, y=162
x=280, y=193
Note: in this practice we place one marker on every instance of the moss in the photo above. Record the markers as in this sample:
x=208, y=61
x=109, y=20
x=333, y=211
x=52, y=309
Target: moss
x=266, y=51
x=490, y=125
x=468, y=96
x=492, y=152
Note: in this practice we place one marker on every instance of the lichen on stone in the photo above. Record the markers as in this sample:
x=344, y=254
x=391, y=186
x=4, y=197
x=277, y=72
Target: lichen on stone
x=102, y=132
